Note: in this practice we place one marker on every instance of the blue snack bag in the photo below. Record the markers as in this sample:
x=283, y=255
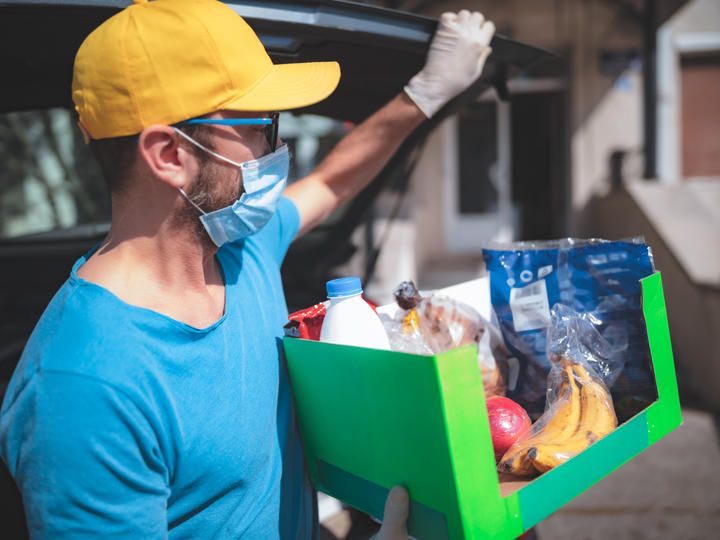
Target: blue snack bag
x=597, y=277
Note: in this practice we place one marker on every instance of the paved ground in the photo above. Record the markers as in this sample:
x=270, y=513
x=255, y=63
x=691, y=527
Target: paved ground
x=671, y=492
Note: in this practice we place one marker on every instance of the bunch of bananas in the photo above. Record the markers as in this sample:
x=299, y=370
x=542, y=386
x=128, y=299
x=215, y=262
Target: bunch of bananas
x=581, y=414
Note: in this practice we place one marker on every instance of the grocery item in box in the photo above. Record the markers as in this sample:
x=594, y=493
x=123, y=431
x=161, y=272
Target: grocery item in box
x=438, y=323
x=349, y=319
x=508, y=423
x=597, y=277
x=579, y=410
x=307, y=322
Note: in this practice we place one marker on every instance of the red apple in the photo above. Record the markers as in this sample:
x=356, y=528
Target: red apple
x=508, y=422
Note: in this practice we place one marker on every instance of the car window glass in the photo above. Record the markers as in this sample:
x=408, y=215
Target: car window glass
x=48, y=177
x=310, y=138
x=478, y=159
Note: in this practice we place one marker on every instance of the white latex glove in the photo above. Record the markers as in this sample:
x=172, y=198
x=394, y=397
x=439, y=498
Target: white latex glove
x=397, y=508
x=455, y=60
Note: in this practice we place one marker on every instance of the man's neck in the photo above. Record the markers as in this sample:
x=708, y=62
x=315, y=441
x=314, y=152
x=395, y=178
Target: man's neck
x=170, y=272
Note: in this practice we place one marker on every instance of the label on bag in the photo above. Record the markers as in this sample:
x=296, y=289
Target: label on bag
x=530, y=306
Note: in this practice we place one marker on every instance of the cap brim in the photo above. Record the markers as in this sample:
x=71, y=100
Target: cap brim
x=290, y=86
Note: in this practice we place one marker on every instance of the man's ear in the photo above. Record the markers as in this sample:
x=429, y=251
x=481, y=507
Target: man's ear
x=168, y=161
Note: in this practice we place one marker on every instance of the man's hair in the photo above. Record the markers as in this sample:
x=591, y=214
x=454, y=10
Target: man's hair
x=116, y=155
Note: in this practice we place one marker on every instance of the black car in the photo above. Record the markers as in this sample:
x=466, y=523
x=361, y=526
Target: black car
x=53, y=204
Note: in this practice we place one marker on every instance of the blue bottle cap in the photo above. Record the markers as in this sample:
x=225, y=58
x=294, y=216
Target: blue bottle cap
x=344, y=286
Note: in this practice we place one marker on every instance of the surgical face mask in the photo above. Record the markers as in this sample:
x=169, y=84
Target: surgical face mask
x=263, y=180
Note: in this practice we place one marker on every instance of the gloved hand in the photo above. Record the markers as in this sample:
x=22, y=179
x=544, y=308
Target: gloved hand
x=456, y=58
x=397, y=508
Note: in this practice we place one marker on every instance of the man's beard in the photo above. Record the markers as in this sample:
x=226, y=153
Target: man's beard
x=210, y=192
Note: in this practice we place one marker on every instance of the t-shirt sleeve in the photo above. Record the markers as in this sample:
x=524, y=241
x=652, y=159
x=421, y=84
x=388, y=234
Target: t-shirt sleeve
x=85, y=460
x=281, y=230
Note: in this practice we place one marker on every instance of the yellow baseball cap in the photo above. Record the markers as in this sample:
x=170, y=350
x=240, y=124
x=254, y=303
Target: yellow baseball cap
x=165, y=61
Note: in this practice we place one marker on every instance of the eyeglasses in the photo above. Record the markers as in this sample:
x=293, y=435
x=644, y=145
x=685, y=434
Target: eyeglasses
x=271, y=122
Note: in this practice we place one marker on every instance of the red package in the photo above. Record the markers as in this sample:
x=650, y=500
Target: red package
x=307, y=322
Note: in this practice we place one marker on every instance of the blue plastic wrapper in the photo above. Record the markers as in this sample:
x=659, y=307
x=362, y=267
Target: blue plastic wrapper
x=595, y=277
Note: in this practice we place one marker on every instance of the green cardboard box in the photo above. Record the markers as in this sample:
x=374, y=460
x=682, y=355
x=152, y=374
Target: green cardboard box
x=372, y=419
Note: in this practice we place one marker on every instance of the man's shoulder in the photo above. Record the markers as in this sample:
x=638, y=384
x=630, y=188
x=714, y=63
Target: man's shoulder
x=79, y=313
x=82, y=332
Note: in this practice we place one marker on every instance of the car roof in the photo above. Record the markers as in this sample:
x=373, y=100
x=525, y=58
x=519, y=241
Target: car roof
x=378, y=49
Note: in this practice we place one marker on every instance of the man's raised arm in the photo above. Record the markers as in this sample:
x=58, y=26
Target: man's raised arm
x=455, y=60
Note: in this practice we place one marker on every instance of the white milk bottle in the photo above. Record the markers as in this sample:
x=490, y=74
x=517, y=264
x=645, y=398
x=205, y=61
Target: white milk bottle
x=349, y=319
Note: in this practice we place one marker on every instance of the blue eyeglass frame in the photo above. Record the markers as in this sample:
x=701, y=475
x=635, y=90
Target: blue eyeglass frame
x=271, y=121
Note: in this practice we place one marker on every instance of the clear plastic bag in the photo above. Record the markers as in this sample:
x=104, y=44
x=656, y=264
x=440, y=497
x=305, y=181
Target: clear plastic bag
x=438, y=323
x=403, y=335
x=575, y=335
x=579, y=409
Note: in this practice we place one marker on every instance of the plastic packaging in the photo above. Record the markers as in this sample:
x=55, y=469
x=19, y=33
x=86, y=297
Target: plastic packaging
x=437, y=323
x=579, y=409
x=575, y=335
x=597, y=277
x=349, y=320
x=306, y=323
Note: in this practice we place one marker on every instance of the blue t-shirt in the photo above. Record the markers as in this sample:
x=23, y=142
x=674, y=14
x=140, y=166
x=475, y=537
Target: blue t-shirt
x=122, y=422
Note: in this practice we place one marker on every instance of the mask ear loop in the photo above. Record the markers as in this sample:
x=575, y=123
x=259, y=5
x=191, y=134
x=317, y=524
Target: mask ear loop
x=193, y=141
x=188, y=199
x=84, y=131
x=218, y=156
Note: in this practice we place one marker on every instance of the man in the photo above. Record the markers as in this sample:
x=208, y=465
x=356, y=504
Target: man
x=151, y=400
